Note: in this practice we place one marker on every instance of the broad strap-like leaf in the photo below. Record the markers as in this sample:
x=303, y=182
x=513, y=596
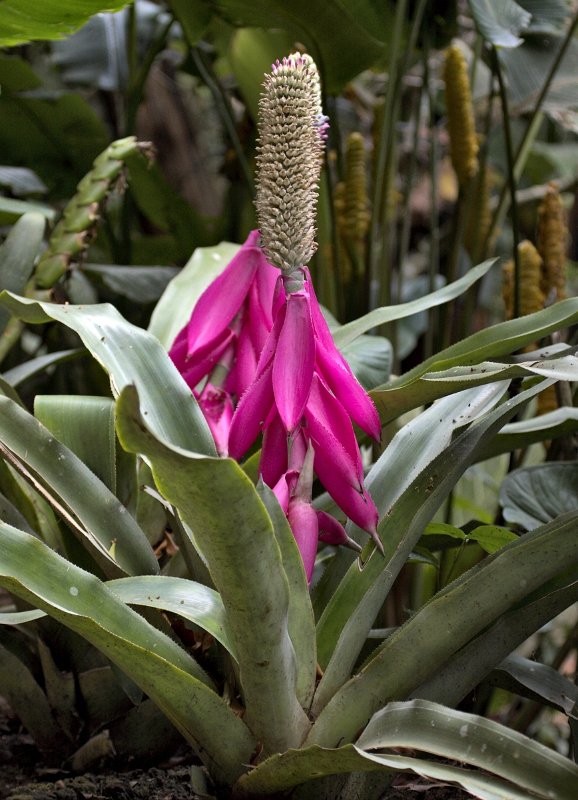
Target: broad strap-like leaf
x=498, y=341
x=130, y=355
x=235, y=533
x=379, y=316
x=513, y=765
x=352, y=609
x=17, y=255
x=177, y=684
x=188, y=599
x=451, y=619
x=92, y=511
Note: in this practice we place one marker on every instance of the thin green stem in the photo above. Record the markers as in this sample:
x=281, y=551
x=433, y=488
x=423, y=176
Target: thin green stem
x=434, y=248
x=511, y=178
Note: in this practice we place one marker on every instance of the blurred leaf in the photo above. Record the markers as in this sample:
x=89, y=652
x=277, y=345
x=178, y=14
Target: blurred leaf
x=514, y=762
x=188, y=599
x=22, y=21
x=548, y=16
x=533, y=495
x=500, y=21
x=86, y=426
x=28, y=369
x=17, y=256
x=21, y=181
x=11, y=210
x=235, y=535
x=92, y=511
x=161, y=667
x=57, y=136
x=173, y=310
x=526, y=67
x=16, y=75
x=139, y=284
x=131, y=356
x=344, y=38
x=194, y=17
x=544, y=683
x=20, y=617
x=379, y=316
x=252, y=51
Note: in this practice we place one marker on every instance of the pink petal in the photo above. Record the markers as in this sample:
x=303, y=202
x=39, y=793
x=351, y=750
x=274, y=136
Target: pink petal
x=194, y=369
x=265, y=285
x=330, y=427
x=273, y=461
x=332, y=532
x=244, y=366
x=303, y=521
x=338, y=375
x=357, y=505
x=257, y=322
x=294, y=361
x=251, y=414
x=350, y=393
x=223, y=298
x=217, y=407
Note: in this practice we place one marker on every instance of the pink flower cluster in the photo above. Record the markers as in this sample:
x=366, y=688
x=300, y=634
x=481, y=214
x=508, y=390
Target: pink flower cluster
x=260, y=339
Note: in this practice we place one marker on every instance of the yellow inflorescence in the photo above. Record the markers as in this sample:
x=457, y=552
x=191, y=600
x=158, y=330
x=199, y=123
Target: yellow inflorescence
x=460, y=113
x=552, y=241
x=531, y=295
x=355, y=217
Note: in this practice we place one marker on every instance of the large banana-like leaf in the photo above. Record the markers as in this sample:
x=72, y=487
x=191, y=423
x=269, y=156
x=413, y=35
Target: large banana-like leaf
x=512, y=764
x=22, y=21
x=176, y=683
x=445, y=624
x=379, y=316
x=95, y=515
x=498, y=341
x=351, y=611
x=131, y=356
x=228, y=519
x=533, y=495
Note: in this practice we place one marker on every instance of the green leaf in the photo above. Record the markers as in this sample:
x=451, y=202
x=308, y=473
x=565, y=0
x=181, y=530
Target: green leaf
x=448, y=622
x=538, y=681
x=379, y=316
x=28, y=369
x=139, y=284
x=23, y=21
x=467, y=667
x=158, y=665
x=411, y=390
x=235, y=533
x=515, y=763
x=517, y=435
x=91, y=510
x=406, y=485
x=474, y=740
x=500, y=22
x=188, y=599
x=194, y=17
x=131, y=356
x=173, y=310
x=340, y=36
x=491, y=538
x=21, y=181
x=86, y=426
x=300, y=612
x=533, y=495
x=548, y=16
x=17, y=255
x=20, y=617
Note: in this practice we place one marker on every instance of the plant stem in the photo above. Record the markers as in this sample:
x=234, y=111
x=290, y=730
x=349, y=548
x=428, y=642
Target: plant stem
x=511, y=179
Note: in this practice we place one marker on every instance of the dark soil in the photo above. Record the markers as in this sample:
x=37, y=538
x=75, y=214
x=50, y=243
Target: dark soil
x=23, y=776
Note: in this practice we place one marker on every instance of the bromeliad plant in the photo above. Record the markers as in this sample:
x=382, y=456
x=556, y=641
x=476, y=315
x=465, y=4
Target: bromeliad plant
x=280, y=699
